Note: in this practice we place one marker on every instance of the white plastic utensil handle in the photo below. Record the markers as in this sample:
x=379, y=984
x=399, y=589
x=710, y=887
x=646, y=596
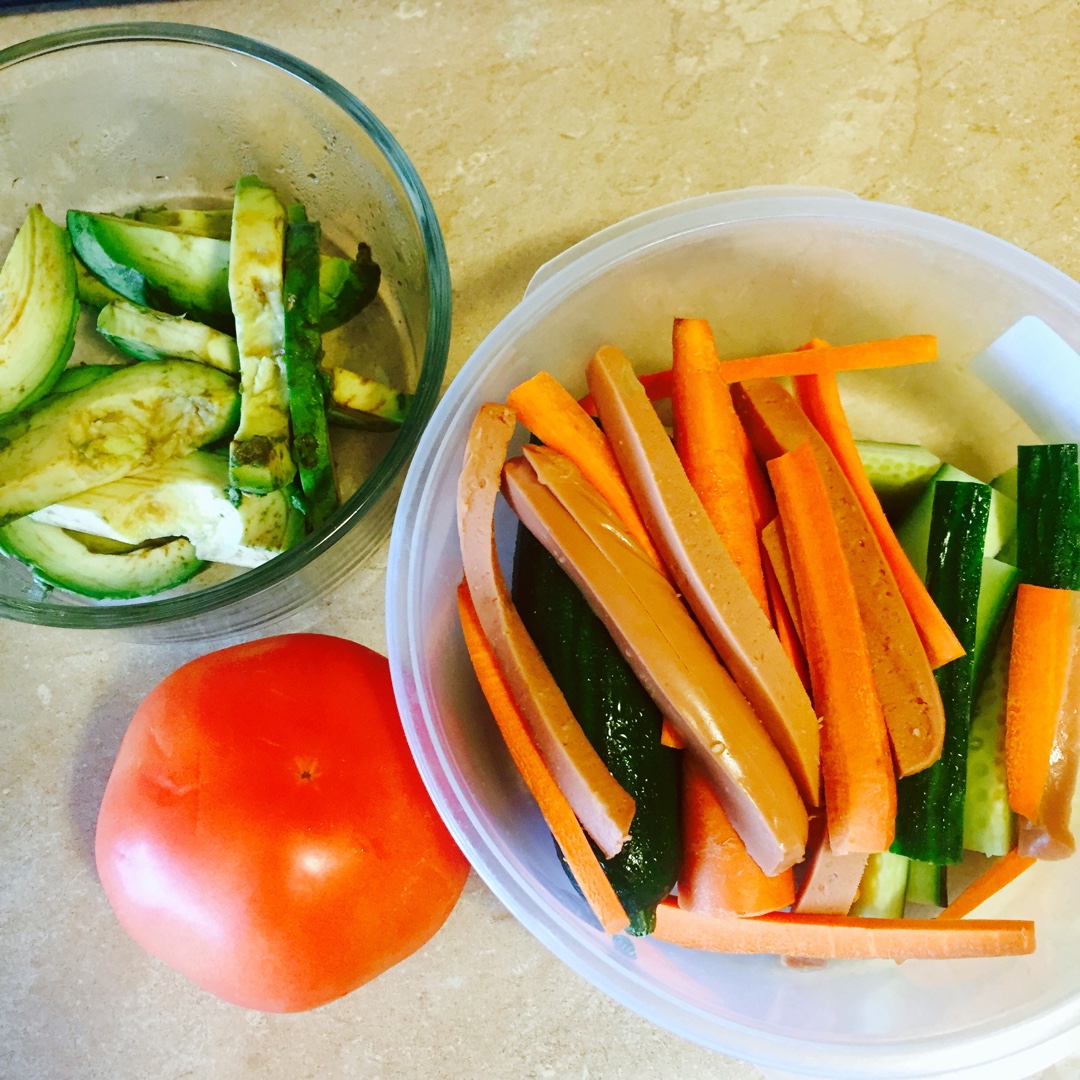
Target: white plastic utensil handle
x=1038, y=373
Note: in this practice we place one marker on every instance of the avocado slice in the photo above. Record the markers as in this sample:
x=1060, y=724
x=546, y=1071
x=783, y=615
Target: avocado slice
x=39, y=307
x=62, y=560
x=187, y=497
x=159, y=268
x=364, y=403
x=152, y=335
x=215, y=223
x=92, y=291
x=303, y=344
x=346, y=287
x=260, y=460
x=135, y=418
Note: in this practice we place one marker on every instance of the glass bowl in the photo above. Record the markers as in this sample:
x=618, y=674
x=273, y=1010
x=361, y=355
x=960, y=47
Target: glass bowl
x=109, y=118
x=769, y=269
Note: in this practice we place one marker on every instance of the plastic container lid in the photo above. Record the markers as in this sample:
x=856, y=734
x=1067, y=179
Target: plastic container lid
x=769, y=269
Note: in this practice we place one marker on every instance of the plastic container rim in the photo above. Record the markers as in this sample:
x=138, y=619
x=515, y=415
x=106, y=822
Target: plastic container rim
x=961, y=1054
x=254, y=581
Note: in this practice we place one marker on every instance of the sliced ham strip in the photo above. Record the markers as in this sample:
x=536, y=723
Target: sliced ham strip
x=903, y=678
x=602, y=806
x=831, y=882
x=667, y=651
x=704, y=572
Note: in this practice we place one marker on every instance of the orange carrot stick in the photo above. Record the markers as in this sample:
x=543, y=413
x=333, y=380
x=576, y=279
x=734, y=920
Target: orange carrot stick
x=856, y=763
x=560, y=818
x=707, y=440
x=1008, y=868
x=669, y=735
x=820, y=358
x=1044, y=629
x=891, y=352
x=820, y=399
x=836, y=937
x=718, y=876
x=554, y=417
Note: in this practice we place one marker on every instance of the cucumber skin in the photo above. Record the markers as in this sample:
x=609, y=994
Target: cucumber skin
x=1048, y=515
x=619, y=719
x=930, y=804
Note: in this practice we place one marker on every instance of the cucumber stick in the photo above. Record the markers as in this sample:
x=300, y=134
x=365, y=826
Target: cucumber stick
x=927, y=884
x=883, y=887
x=898, y=472
x=260, y=460
x=989, y=824
x=620, y=720
x=303, y=343
x=930, y=804
x=914, y=531
x=1048, y=533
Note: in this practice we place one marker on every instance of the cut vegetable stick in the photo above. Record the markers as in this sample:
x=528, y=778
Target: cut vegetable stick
x=856, y=765
x=774, y=545
x=1008, y=868
x=786, y=630
x=762, y=503
x=1044, y=629
x=662, y=643
x=831, y=881
x=601, y=804
x=669, y=735
x=557, y=812
x=703, y=570
x=718, y=876
x=820, y=398
x=840, y=937
x=554, y=417
x=890, y=352
x=905, y=682
x=707, y=440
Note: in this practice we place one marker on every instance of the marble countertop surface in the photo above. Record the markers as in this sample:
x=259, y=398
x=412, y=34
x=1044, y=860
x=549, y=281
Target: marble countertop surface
x=533, y=123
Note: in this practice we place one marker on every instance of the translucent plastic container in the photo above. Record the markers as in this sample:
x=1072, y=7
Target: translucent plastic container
x=769, y=268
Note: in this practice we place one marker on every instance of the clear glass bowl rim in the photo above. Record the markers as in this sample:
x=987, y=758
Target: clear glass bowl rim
x=431, y=371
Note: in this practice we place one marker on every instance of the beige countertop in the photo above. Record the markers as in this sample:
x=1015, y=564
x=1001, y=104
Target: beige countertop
x=532, y=123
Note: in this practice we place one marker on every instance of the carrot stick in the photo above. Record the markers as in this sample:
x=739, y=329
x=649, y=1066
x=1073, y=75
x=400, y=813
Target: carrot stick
x=707, y=440
x=856, y=762
x=560, y=818
x=820, y=399
x=554, y=417
x=718, y=877
x=837, y=937
x=1044, y=627
x=669, y=735
x=1008, y=868
x=891, y=352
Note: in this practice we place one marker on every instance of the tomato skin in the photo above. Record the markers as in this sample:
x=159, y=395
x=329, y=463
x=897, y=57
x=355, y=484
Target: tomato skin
x=265, y=830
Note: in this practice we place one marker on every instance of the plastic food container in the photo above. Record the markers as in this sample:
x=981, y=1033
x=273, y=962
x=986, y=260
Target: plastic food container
x=110, y=118
x=769, y=268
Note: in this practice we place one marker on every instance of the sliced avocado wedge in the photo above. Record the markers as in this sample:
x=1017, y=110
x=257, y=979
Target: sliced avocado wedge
x=92, y=291
x=152, y=335
x=135, y=418
x=259, y=457
x=159, y=268
x=63, y=561
x=346, y=287
x=303, y=344
x=215, y=223
x=364, y=403
x=186, y=497
x=39, y=307
x=75, y=378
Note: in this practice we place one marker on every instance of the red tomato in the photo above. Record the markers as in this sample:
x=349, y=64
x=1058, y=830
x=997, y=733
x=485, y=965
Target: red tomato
x=265, y=830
